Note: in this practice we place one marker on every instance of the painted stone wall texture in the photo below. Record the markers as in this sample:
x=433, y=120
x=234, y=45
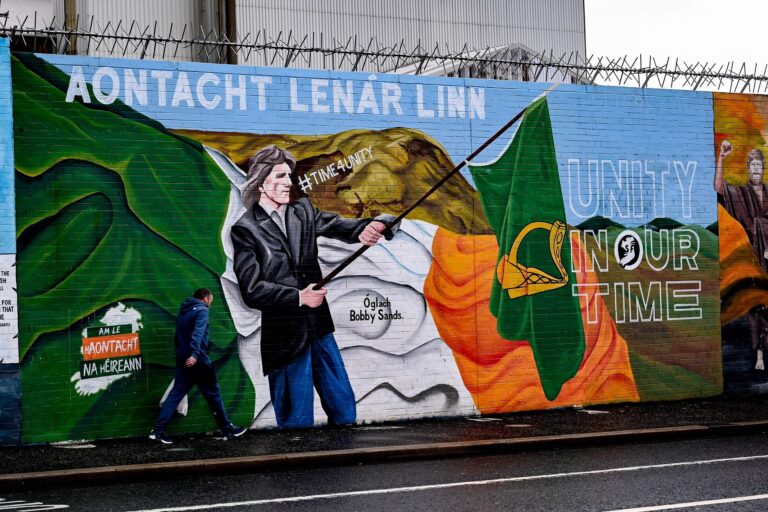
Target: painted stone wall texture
x=575, y=261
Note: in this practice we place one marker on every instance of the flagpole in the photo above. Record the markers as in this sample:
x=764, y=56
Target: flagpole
x=352, y=257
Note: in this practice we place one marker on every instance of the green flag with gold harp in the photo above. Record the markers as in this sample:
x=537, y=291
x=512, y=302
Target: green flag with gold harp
x=531, y=296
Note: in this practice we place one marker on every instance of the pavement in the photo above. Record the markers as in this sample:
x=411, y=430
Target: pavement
x=118, y=460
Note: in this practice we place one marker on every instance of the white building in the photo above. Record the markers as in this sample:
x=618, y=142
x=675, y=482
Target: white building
x=514, y=29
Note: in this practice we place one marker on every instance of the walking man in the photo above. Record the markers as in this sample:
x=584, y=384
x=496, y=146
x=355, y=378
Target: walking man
x=194, y=367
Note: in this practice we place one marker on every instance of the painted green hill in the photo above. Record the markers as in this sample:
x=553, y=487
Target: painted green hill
x=102, y=221
x=664, y=223
x=697, y=353
x=597, y=223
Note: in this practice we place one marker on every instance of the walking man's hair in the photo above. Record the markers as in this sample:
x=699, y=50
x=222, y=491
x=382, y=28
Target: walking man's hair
x=202, y=293
x=259, y=167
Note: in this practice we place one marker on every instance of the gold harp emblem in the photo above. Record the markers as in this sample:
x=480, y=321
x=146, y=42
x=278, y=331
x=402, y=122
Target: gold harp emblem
x=520, y=280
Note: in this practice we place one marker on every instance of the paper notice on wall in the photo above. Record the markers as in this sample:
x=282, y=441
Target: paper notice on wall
x=9, y=316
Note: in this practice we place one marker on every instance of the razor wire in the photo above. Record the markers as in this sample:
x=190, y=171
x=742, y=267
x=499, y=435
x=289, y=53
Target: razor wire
x=287, y=49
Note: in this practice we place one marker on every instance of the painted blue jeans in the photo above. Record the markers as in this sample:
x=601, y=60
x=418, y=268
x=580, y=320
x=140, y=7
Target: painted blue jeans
x=321, y=367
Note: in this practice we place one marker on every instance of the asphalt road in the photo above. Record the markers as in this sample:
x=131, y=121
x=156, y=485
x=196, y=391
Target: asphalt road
x=711, y=474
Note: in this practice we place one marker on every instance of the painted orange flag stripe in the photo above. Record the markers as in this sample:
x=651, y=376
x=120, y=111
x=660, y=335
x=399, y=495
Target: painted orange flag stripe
x=738, y=264
x=501, y=375
x=116, y=345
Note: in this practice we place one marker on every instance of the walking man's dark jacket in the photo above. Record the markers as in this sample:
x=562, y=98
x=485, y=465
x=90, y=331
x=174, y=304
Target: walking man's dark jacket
x=192, y=339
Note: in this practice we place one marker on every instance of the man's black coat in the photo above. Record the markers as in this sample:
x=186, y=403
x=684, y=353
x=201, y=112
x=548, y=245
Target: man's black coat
x=271, y=270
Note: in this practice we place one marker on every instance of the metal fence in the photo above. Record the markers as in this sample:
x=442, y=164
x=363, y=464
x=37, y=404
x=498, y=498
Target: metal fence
x=515, y=62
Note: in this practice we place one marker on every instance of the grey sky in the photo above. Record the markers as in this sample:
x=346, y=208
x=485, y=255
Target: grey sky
x=692, y=30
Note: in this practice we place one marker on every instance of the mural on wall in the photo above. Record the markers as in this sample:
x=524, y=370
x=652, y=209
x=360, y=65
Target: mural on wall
x=740, y=142
x=636, y=285
x=568, y=266
x=10, y=388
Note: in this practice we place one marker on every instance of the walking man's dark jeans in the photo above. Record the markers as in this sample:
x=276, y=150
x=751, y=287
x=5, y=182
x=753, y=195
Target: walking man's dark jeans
x=202, y=375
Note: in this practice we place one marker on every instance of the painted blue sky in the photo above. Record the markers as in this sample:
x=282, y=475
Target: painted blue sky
x=647, y=152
